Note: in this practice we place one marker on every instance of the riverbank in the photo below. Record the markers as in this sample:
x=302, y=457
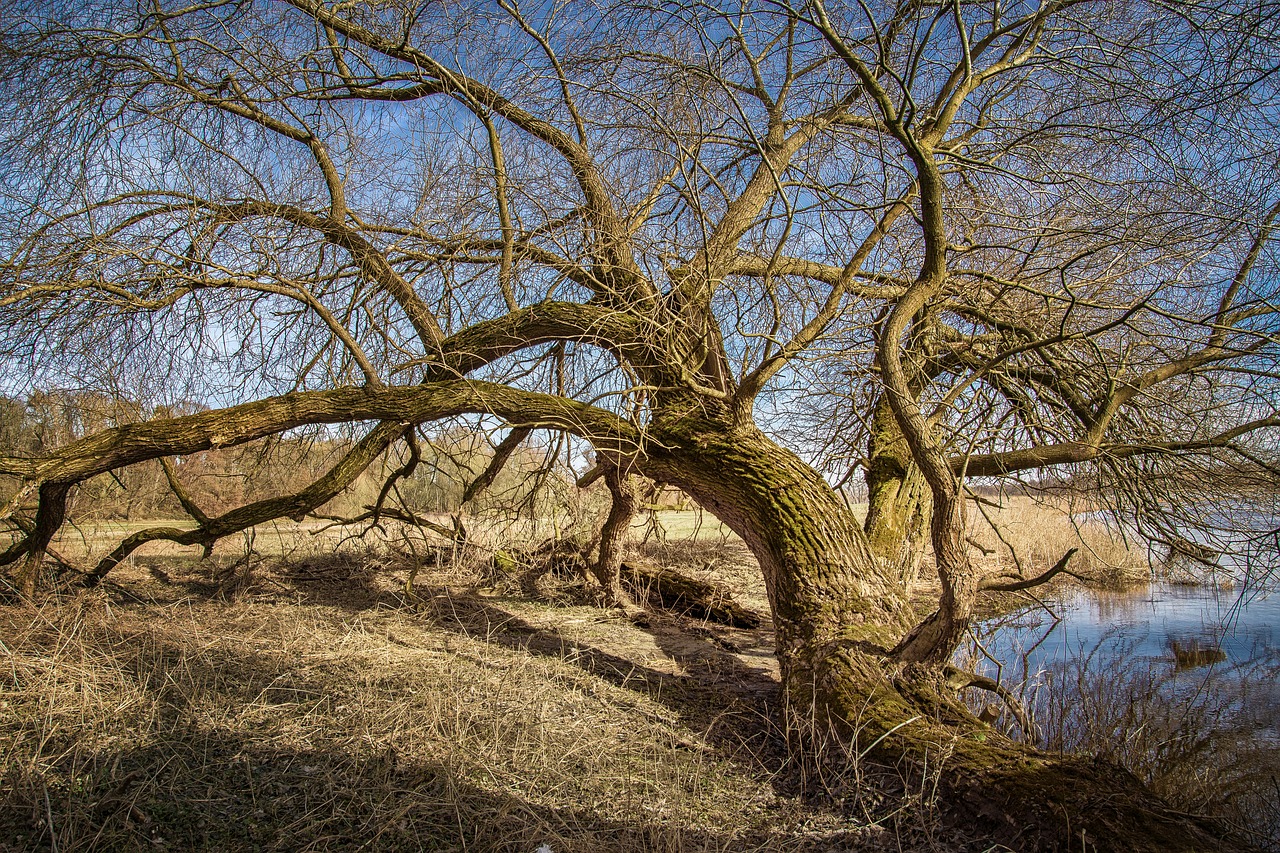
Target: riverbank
x=1179, y=684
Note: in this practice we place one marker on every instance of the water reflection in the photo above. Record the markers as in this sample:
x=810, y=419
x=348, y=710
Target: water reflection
x=1179, y=684
x=1193, y=656
x=1192, y=639
x=1147, y=622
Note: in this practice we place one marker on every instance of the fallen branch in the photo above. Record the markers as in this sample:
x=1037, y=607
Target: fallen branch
x=675, y=591
x=1060, y=567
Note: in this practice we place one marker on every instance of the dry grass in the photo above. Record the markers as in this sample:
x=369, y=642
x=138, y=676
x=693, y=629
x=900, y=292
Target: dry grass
x=300, y=700
x=311, y=707
x=680, y=526
x=1023, y=533
x=1202, y=746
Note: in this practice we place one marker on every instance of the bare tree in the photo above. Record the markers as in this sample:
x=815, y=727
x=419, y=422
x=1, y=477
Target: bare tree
x=1106, y=304
x=635, y=224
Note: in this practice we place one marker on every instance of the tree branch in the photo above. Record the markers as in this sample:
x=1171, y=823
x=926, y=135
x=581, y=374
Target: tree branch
x=992, y=585
x=296, y=505
x=125, y=445
x=510, y=442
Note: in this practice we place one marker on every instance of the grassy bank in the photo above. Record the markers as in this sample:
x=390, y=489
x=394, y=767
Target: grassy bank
x=301, y=700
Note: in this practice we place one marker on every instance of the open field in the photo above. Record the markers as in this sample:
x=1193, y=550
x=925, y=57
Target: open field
x=90, y=539
x=1031, y=536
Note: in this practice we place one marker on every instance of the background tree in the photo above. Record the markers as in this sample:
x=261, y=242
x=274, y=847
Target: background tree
x=1017, y=232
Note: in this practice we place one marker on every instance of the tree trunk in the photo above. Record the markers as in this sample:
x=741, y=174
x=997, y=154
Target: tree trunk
x=824, y=585
x=837, y=615
x=50, y=514
x=936, y=638
x=622, y=510
x=899, y=503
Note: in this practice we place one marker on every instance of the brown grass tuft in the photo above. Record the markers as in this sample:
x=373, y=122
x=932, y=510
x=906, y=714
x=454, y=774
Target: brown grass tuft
x=1031, y=536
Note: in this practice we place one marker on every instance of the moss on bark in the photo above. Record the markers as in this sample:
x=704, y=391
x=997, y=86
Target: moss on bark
x=838, y=613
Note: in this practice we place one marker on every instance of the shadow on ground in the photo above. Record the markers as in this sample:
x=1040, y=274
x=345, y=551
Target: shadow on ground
x=229, y=793
x=209, y=775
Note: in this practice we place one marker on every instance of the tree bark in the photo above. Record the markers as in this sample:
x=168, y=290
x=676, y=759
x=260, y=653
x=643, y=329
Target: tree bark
x=50, y=513
x=613, y=533
x=838, y=614
x=899, y=503
x=825, y=588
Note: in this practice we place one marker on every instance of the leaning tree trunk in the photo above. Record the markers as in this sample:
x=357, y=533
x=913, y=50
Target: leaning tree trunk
x=838, y=615
x=824, y=585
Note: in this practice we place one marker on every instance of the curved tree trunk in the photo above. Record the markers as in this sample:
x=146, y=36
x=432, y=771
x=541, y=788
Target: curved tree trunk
x=838, y=614
x=823, y=583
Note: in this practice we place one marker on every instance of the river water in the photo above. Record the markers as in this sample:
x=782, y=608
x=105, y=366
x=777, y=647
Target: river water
x=1187, y=642
x=1178, y=683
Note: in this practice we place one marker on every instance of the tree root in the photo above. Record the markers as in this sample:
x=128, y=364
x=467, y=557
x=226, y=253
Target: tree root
x=909, y=717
